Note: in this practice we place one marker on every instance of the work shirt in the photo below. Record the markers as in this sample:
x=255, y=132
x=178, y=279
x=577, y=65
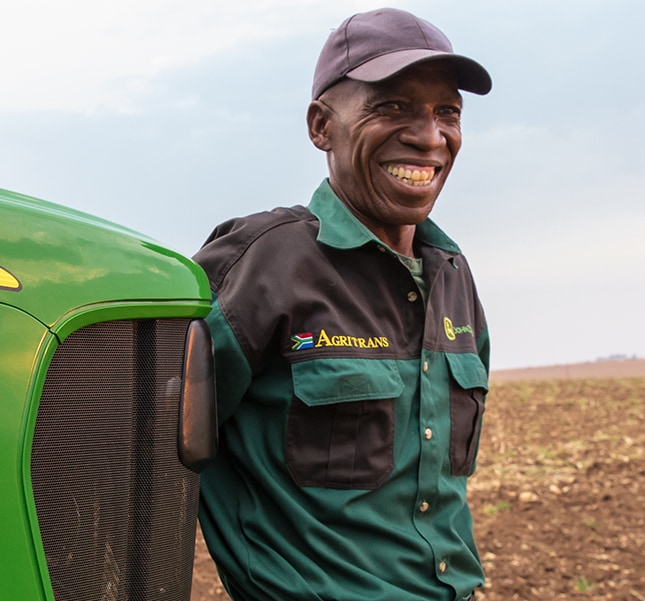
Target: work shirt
x=350, y=410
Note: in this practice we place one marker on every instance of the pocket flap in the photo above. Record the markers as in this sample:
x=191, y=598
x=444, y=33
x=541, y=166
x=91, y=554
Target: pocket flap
x=468, y=370
x=325, y=381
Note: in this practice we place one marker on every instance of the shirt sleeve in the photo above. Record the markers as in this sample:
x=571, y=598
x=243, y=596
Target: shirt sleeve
x=232, y=371
x=483, y=348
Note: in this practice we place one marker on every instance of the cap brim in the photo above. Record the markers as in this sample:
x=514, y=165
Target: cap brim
x=471, y=76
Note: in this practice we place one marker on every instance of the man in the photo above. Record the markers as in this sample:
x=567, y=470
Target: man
x=351, y=349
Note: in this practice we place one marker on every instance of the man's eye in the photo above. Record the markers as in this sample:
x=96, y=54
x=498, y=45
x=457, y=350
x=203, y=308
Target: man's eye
x=391, y=105
x=450, y=111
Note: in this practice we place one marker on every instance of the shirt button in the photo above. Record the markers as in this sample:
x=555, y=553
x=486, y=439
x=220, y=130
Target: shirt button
x=428, y=433
x=442, y=567
x=425, y=366
x=424, y=507
x=381, y=248
x=412, y=296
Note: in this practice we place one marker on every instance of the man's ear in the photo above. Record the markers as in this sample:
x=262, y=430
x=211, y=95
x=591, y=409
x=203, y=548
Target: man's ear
x=318, y=116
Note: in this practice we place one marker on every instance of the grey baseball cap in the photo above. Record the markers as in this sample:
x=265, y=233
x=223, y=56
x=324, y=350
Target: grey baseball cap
x=378, y=44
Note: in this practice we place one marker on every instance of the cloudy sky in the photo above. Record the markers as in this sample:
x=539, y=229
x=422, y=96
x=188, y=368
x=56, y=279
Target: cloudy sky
x=171, y=116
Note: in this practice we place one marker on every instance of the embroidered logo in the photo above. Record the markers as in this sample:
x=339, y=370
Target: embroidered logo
x=302, y=341
x=452, y=331
x=305, y=340
x=351, y=341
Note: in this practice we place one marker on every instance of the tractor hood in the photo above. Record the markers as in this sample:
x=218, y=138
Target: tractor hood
x=54, y=260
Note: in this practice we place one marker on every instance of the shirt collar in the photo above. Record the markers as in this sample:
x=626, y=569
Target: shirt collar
x=340, y=229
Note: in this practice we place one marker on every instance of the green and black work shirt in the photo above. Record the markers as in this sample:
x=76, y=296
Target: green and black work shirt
x=350, y=410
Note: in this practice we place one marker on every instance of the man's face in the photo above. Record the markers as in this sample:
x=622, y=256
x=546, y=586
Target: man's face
x=390, y=145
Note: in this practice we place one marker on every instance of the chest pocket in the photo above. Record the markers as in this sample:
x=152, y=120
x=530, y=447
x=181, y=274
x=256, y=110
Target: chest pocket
x=340, y=432
x=468, y=388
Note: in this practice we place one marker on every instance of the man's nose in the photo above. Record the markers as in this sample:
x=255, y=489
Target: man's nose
x=423, y=131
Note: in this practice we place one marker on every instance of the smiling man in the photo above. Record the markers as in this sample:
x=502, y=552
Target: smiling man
x=390, y=146
x=351, y=348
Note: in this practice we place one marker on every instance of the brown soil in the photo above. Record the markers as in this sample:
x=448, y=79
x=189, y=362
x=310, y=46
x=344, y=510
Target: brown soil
x=558, y=497
x=626, y=368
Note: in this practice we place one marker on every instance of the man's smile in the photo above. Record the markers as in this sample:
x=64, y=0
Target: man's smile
x=412, y=175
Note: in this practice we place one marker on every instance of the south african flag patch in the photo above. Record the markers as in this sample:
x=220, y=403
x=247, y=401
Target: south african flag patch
x=302, y=341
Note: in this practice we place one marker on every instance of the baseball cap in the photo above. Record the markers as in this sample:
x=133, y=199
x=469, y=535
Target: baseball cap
x=378, y=44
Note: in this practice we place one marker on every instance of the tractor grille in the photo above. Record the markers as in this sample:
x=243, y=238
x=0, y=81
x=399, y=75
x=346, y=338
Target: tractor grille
x=116, y=508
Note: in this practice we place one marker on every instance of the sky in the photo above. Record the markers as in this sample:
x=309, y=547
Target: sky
x=171, y=116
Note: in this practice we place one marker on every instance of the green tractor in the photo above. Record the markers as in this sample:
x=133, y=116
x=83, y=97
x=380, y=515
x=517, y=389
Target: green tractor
x=107, y=408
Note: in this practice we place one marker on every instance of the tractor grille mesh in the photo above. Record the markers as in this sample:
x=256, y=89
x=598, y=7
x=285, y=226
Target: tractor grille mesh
x=116, y=508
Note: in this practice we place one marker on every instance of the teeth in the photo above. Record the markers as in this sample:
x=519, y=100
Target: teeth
x=416, y=177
